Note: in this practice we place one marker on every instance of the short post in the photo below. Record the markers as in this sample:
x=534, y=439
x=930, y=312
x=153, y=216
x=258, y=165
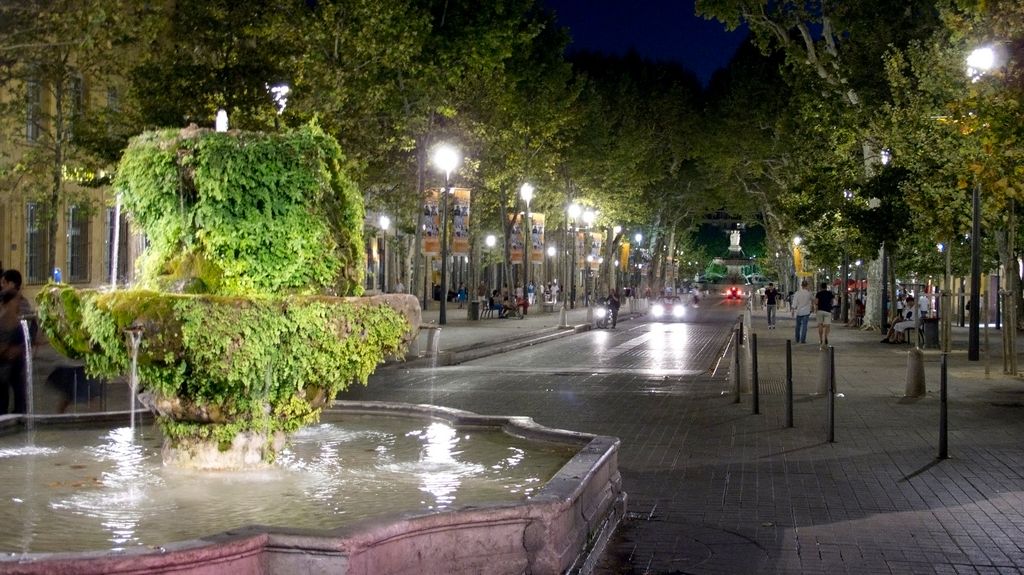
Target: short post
x=741, y=330
x=789, y=383
x=983, y=312
x=831, y=394
x=753, y=374
x=736, y=361
x=943, y=408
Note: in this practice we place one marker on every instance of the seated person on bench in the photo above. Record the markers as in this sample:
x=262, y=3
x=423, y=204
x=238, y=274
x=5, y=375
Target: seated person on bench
x=911, y=321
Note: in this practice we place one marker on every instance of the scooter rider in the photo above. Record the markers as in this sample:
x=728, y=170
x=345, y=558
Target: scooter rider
x=613, y=306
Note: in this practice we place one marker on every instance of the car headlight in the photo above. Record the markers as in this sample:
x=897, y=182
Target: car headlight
x=658, y=310
x=678, y=311
x=599, y=312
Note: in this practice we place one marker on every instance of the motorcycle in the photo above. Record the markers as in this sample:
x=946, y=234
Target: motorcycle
x=604, y=314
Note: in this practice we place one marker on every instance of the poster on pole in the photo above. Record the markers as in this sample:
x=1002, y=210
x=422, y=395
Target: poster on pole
x=430, y=223
x=460, y=200
x=594, y=251
x=581, y=249
x=515, y=242
x=536, y=238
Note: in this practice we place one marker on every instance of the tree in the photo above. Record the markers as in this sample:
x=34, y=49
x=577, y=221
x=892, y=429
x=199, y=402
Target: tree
x=55, y=55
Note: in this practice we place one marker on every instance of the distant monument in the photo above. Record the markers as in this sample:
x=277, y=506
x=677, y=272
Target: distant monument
x=734, y=244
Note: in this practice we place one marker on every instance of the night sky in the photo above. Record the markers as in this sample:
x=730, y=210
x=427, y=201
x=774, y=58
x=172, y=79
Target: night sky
x=656, y=29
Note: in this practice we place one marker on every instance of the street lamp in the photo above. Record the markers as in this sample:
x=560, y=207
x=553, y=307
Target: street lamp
x=446, y=159
x=574, y=212
x=526, y=193
x=980, y=61
x=588, y=219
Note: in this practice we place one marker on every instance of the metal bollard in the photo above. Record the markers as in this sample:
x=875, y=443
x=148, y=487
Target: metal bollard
x=831, y=394
x=755, y=395
x=789, y=383
x=943, y=408
x=736, y=361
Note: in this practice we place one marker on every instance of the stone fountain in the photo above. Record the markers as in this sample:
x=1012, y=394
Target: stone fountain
x=251, y=322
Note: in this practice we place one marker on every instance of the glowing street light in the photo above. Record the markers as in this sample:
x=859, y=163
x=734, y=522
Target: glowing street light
x=446, y=159
x=526, y=193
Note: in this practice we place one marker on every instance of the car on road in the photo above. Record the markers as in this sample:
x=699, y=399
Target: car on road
x=668, y=308
x=734, y=292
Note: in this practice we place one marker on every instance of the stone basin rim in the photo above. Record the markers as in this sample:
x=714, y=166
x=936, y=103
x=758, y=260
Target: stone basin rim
x=596, y=458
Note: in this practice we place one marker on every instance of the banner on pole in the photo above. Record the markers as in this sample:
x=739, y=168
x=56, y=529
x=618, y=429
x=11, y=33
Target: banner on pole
x=460, y=199
x=536, y=238
x=430, y=223
x=594, y=254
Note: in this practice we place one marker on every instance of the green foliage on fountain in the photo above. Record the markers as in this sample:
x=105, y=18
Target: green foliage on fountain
x=252, y=238
x=215, y=366
x=244, y=213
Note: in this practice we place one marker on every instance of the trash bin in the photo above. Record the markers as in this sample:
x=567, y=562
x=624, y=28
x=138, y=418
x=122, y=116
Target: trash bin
x=474, y=310
x=930, y=329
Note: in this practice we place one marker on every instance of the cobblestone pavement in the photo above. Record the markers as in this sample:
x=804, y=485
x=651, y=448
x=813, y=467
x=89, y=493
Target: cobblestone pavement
x=715, y=489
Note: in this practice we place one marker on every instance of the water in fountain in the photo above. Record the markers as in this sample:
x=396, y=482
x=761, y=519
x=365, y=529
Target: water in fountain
x=29, y=392
x=103, y=489
x=135, y=335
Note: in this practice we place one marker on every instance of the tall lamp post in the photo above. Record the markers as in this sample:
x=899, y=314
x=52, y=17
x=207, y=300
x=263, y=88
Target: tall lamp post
x=980, y=61
x=526, y=193
x=446, y=159
x=588, y=219
x=385, y=224
x=574, y=211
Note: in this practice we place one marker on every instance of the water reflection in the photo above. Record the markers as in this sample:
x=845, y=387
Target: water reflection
x=107, y=489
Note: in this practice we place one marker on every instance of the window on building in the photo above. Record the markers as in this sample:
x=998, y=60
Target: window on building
x=117, y=234
x=36, y=244
x=33, y=110
x=76, y=268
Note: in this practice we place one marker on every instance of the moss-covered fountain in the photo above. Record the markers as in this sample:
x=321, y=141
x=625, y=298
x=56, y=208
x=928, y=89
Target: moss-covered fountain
x=241, y=345
x=245, y=324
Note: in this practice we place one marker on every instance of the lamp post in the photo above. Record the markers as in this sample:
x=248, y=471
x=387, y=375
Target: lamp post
x=797, y=261
x=446, y=159
x=979, y=62
x=588, y=219
x=574, y=211
x=526, y=193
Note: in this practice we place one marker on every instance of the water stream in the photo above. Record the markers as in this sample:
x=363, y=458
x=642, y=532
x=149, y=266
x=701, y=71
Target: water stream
x=135, y=337
x=30, y=410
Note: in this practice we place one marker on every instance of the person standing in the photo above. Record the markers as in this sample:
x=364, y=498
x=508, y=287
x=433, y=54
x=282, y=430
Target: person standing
x=771, y=300
x=802, y=302
x=13, y=307
x=823, y=303
x=923, y=305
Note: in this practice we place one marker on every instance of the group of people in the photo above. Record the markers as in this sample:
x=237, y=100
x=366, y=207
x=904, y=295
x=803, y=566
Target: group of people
x=804, y=304
x=507, y=306
x=910, y=312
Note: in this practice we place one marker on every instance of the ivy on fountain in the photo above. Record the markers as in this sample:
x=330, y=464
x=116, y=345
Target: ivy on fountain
x=251, y=239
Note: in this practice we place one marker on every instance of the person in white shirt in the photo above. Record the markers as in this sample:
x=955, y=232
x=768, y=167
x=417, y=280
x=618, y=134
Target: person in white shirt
x=923, y=305
x=802, y=302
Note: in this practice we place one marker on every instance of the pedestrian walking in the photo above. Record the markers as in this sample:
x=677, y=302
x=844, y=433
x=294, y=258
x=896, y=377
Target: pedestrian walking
x=802, y=303
x=771, y=300
x=13, y=307
x=823, y=304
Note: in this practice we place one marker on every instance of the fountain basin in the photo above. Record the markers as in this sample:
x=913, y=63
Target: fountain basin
x=555, y=530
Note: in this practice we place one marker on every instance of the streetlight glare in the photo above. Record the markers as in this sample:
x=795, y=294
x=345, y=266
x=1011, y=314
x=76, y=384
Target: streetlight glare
x=979, y=61
x=797, y=240
x=490, y=240
x=639, y=238
x=446, y=159
x=526, y=192
x=385, y=222
x=574, y=211
x=589, y=216
x=551, y=251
